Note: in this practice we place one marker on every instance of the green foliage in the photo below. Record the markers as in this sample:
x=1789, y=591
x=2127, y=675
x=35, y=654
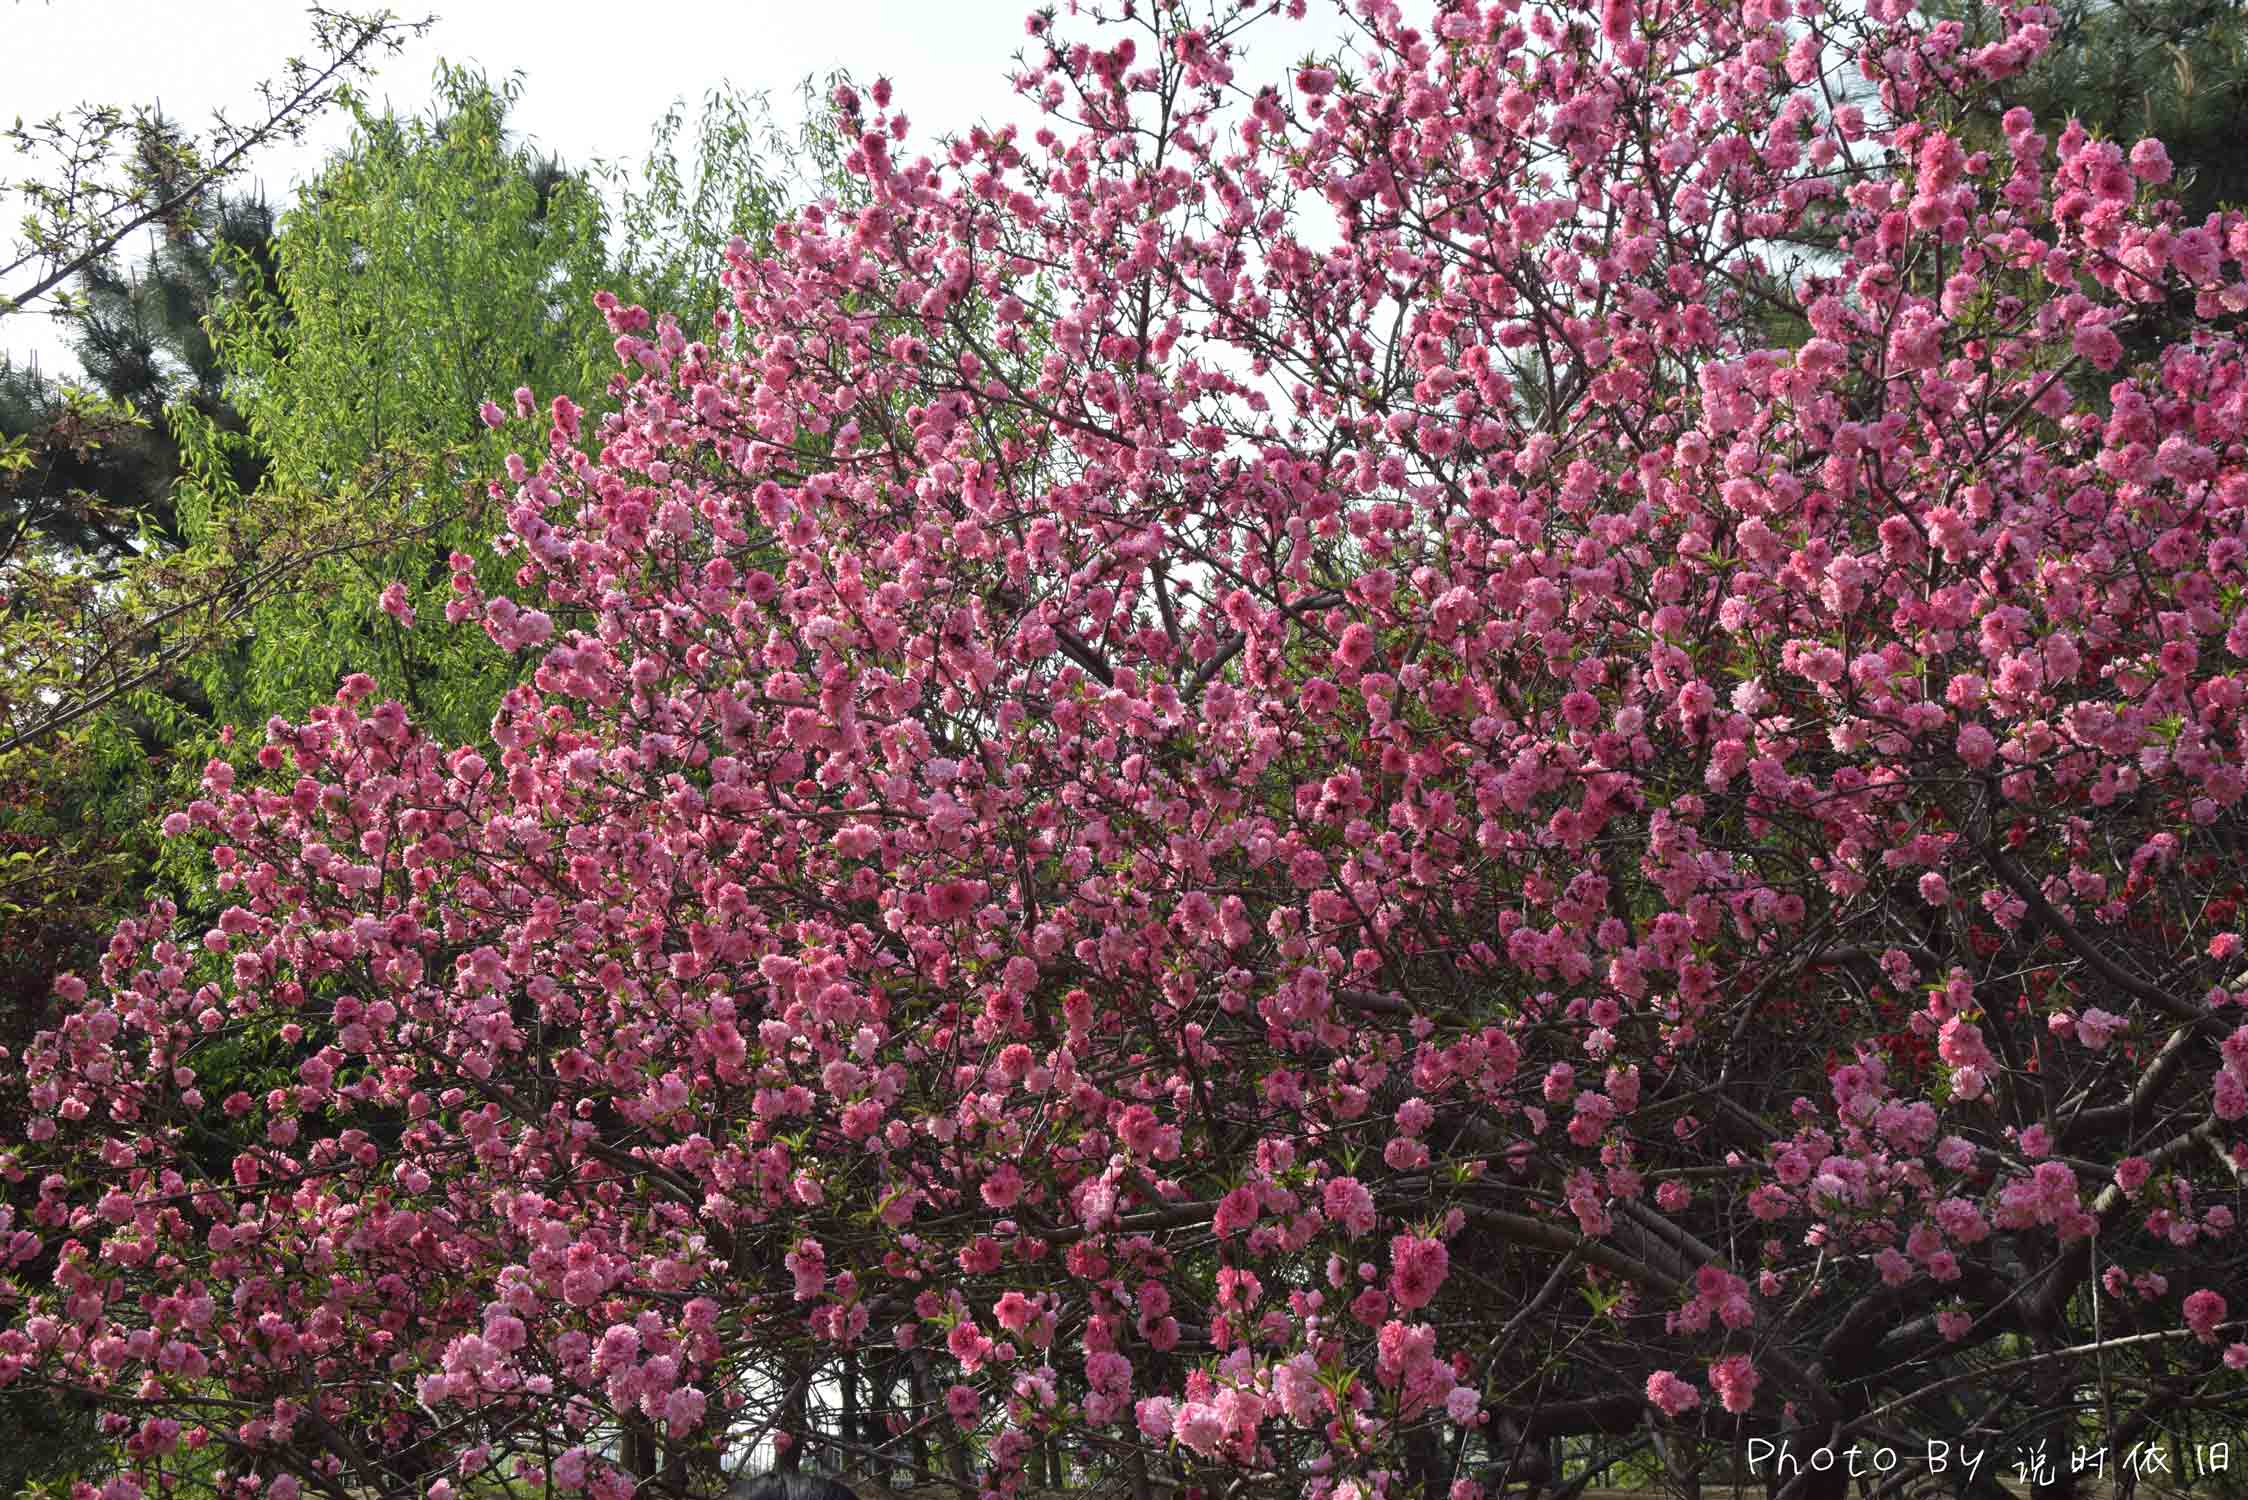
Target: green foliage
x=280, y=418
x=53, y=1440
x=95, y=463
x=434, y=264
x=671, y=224
x=143, y=339
x=76, y=494
x=2173, y=69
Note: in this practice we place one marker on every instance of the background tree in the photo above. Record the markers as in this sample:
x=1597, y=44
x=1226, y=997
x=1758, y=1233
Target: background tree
x=2173, y=70
x=86, y=473
x=143, y=340
x=97, y=504
x=258, y=395
x=433, y=265
x=99, y=173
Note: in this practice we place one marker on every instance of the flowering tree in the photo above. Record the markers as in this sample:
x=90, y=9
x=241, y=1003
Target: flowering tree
x=1248, y=850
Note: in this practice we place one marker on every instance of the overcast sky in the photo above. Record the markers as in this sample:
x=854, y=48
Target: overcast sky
x=597, y=76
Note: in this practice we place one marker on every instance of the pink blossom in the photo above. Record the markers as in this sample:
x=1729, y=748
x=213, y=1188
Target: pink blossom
x=1002, y=1186
x=1355, y=649
x=2204, y=1310
x=2095, y=1026
x=2150, y=162
x=1670, y=1395
x=1198, y=1426
x=1418, y=1268
x=1735, y=1380
x=683, y=1409
x=1012, y=1312
x=1236, y=1211
x=394, y=604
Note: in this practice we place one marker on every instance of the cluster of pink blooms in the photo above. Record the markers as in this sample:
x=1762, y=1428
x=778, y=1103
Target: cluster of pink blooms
x=1248, y=840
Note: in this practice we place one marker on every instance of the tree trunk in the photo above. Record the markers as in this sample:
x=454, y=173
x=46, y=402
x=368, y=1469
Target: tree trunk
x=793, y=1422
x=639, y=1449
x=917, y=1390
x=1424, y=1460
x=848, y=1422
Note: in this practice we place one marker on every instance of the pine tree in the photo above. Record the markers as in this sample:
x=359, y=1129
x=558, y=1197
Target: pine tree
x=102, y=487
x=2176, y=70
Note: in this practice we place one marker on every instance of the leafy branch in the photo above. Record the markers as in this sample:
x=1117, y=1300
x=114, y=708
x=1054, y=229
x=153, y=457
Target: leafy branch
x=103, y=172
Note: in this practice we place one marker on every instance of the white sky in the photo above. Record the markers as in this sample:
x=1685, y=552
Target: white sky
x=597, y=75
